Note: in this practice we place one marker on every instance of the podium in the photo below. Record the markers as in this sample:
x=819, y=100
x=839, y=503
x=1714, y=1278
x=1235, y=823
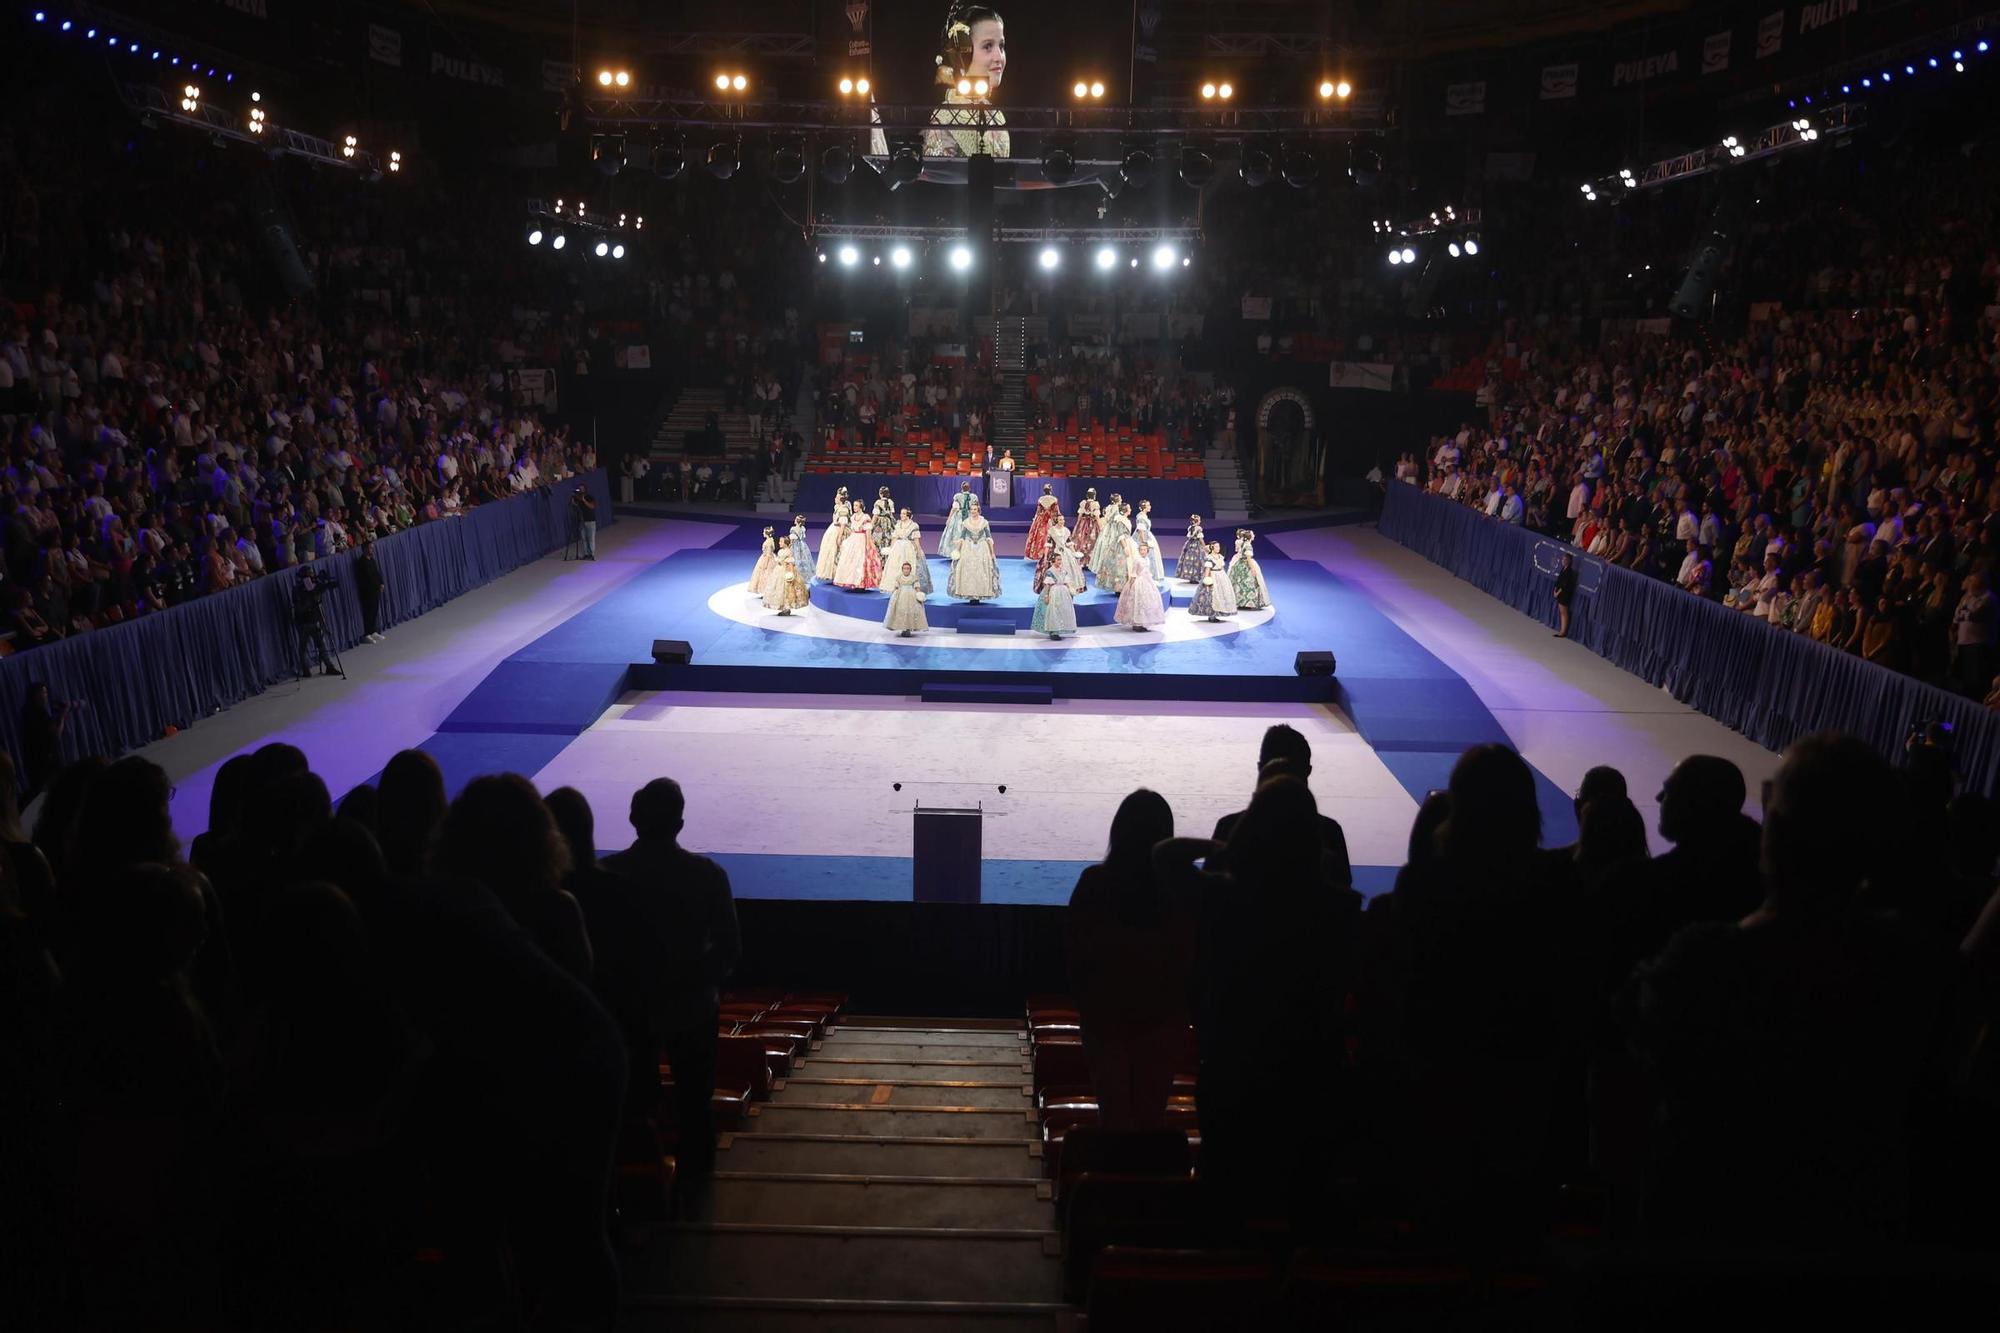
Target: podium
x=999, y=488
x=945, y=864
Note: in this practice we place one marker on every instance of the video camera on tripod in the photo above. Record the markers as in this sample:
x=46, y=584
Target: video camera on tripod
x=309, y=617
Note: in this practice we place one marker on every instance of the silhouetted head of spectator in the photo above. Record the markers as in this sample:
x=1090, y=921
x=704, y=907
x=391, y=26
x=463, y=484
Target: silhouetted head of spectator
x=1288, y=748
x=346, y=853
x=1602, y=780
x=659, y=810
x=10, y=801
x=1431, y=818
x=578, y=825
x=1831, y=824
x=227, y=797
x=360, y=805
x=125, y=819
x=62, y=805
x=1144, y=819
x=299, y=803
x=1700, y=799
x=1495, y=821
x=499, y=833
x=1974, y=833
x=1610, y=832
x=1278, y=842
x=412, y=805
x=146, y=922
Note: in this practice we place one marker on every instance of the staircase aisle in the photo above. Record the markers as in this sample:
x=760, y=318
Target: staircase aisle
x=1229, y=489
x=893, y=1182
x=1010, y=409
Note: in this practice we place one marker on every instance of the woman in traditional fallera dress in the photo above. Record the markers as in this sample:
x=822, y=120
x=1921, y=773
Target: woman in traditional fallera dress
x=1047, y=510
x=836, y=532
x=1089, y=522
x=1055, y=609
x=906, y=602
x=1049, y=547
x=856, y=549
x=802, y=554
x=884, y=516
x=764, y=561
x=1246, y=576
x=1109, y=563
x=1105, y=545
x=906, y=547
x=954, y=519
x=1194, y=553
x=788, y=585
x=1215, y=597
x=975, y=575
x=1142, y=529
x=1139, y=603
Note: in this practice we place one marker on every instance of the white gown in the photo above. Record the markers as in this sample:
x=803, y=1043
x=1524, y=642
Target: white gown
x=829, y=549
x=906, y=545
x=1142, y=528
x=906, y=605
x=975, y=574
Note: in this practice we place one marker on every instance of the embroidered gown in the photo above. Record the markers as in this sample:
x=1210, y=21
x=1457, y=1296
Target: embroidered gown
x=1194, y=556
x=1046, y=510
x=762, y=570
x=1247, y=578
x=1057, y=532
x=1142, y=529
x=975, y=574
x=1055, y=612
x=954, y=522
x=788, y=585
x=857, y=554
x=884, y=525
x=1089, y=524
x=906, y=544
x=1112, y=516
x=1139, y=602
x=1109, y=564
x=906, y=604
x=829, y=547
x=1216, y=596
x=802, y=554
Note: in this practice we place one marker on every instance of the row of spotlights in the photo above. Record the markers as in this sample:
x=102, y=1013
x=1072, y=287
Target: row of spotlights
x=559, y=241
x=959, y=257
x=614, y=78
x=132, y=48
x=973, y=88
x=1910, y=70
x=1214, y=92
x=1092, y=90
x=731, y=83
x=851, y=87
x=1405, y=255
x=1330, y=88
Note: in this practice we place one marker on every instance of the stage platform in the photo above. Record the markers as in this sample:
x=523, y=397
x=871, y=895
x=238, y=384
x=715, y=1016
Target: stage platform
x=1015, y=604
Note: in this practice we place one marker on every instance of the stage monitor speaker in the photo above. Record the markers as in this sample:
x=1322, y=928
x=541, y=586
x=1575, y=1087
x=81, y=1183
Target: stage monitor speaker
x=1318, y=662
x=672, y=652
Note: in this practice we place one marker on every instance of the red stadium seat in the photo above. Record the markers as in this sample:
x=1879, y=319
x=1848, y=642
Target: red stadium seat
x=1138, y=1290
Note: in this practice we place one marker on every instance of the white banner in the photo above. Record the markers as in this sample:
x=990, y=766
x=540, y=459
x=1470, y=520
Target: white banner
x=385, y=45
x=634, y=356
x=1558, y=82
x=534, y=388
x=1376, y=375
x=1770, y=35
x=1715, y=52
x=857, y=21
x=1645, y=68
x=1256, y=307
x=1823, y=12
x=467, y=71
x=1465, y=99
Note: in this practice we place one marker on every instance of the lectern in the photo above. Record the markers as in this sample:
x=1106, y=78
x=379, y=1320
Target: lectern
x=945, y=867
x=999, y=488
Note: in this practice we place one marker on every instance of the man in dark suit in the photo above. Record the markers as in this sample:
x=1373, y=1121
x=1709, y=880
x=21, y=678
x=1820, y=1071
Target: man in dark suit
x=692, y=944
x=1286, y=753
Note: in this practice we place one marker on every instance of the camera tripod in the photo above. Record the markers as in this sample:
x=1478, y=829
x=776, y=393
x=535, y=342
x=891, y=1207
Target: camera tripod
x=314, y=636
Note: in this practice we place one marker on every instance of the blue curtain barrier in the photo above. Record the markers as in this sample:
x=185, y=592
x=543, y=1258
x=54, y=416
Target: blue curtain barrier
x=1173, y=499
x=183, y=664
x=1769, y=684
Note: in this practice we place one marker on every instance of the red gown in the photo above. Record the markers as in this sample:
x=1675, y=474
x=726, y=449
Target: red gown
x=1038, y=531
x=1083, y=537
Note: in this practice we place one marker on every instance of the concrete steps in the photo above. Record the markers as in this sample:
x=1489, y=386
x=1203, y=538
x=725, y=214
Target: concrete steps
x=892, y=1183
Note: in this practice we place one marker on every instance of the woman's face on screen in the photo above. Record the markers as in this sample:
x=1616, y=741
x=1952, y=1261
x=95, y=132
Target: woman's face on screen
x=989, y=52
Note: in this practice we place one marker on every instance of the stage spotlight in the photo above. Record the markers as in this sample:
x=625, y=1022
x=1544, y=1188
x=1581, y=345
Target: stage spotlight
x=1059, y=162
x=849, y=256
x=1472, y=245
x=1080, y=90
x=1197, y=167
x=669, y=159
x=1255, y=167
x=1300, y=168
x=822, y=256
x=1409, y=255
x=1137, y=168
x=723, y=159
x=1051, y=258
x=1186, y=260
x=601, y=249
x=1453, y=250
x=1343, y=90
x=191, y=103
x=861, y=87
x=900, y=256
x=877, y=261
x=961, y=258
x=906, y=162
x=349, y=146
x=1096, y=90
x=558, y=241
x=1208, y=92
x=1395, y=257
x=534, y=235
x=1364, y=166
x=1325, y=89
x=395, y=161
x=836, y=164
x=1224, y=91
x=1107, y=256
x=1163, y=257
x=788, y=162
x=607, y=153
x=722, y=83
x=618, y=252
x=847, y=87
x=1134, y=261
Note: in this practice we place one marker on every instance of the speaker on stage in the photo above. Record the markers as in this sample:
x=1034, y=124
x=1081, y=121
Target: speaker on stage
x=672, y=652
x=1318, y=662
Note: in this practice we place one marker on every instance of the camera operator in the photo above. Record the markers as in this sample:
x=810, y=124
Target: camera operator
x=583, y=515
x=309, y=616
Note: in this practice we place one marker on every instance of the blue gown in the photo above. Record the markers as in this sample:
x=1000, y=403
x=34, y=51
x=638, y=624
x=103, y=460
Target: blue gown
x=954, y=522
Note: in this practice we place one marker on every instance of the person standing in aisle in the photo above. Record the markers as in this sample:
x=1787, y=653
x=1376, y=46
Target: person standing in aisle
x=368, y=587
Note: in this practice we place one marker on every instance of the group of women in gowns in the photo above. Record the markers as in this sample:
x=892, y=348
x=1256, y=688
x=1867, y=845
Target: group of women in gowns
x=881, y=547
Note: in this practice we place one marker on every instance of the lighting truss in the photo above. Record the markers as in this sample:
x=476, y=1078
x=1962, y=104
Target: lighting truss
x=1828, y=122
x=1448, y=219
x=1965, y=34
x=145, y=100
x=743, y=45
x=1194, y=122
x=1186, y=235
